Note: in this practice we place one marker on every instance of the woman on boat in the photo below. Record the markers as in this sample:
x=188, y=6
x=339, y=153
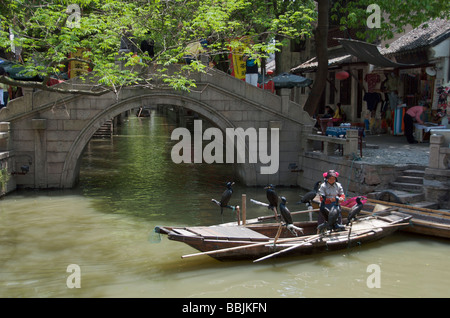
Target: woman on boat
x=330, y=189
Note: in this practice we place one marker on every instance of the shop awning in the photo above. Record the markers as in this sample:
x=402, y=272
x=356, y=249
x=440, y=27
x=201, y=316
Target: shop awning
x=368, y=53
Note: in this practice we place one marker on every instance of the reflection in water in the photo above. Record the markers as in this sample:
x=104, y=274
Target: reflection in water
x=129, y=185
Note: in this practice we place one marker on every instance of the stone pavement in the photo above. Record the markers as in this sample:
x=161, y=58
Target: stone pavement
x=394, y=150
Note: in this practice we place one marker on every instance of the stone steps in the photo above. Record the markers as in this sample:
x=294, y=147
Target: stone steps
x=403, y=196
x=410, y=180
x=406, y=189
x=407, y=186
x=408, y=198
x=414, y=173
x=105, y=131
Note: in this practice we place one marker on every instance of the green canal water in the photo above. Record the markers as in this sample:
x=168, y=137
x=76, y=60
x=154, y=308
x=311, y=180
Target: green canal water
x=129, y=184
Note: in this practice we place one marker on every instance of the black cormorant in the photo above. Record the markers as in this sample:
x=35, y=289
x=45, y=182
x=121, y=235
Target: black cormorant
x=309, y=196
x=287, y=217
x=226, y=196
x=331, y=216
x=285, y=213
x=272, y=196
x=334, y=216
x=324, y=212
x=355, y=210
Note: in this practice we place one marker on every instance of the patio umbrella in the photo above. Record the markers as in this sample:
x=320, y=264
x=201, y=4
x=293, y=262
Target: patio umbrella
x=14, y=69
x=288, y=80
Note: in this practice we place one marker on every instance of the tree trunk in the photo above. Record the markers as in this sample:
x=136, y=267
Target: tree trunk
x=320, y=38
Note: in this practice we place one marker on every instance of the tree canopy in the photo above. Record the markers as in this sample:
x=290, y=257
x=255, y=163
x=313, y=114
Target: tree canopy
x=47, y=34
x=44, y=35
x=393, y=16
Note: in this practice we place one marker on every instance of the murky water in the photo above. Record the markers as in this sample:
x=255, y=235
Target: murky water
x=129, y=185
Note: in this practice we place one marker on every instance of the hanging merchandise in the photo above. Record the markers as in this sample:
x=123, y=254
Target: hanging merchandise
x=398, y=126
x=444, y=103
x=443, y=98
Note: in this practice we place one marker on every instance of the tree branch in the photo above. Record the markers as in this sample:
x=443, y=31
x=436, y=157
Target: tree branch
x=43, y=86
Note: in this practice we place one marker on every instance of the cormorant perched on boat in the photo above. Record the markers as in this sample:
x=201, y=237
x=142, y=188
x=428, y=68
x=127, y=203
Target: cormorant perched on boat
x=272, y=196
x=356, y=209
x=226, y=196
x=324, y=212
x=308, y=197
x=323, y=209
x=287, y=217
x=333, y=217
x=285, y=213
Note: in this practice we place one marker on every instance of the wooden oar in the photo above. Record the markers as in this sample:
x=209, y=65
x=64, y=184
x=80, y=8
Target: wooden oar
x=411, y=207
x=314, y=237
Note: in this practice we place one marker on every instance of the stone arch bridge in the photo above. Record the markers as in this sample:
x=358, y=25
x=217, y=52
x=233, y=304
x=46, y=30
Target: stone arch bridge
x=48, y=131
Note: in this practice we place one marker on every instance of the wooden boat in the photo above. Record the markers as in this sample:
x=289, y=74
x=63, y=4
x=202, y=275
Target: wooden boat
x=259, y=241
x=424, y=221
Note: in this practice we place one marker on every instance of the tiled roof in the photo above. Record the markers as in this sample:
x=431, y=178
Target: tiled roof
x=427, y=34
x=312, y=63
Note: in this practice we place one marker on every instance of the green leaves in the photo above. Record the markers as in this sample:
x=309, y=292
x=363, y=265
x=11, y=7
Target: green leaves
x=47, y=35
x=394, y=15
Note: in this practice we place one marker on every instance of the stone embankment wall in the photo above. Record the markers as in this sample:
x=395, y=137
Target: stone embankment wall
x=356, y=177
x=437, y=176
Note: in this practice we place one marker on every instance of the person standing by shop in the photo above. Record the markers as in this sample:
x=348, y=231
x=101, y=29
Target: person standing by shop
x=251, y=70
x=412, y=114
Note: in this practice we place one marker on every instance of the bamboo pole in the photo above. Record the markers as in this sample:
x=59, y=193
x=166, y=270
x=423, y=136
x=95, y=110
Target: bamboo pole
x=244, y=209
x=240, y=247
x=261, y=218
x=410, y=207
x=278, y=234
x=314, y=237
x=238, y=214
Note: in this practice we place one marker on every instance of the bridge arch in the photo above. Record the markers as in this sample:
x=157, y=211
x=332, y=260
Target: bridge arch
x=54, y=129
x=71, y=165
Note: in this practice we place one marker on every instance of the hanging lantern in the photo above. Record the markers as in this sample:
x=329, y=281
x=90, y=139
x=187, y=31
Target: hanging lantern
x=342, y=75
